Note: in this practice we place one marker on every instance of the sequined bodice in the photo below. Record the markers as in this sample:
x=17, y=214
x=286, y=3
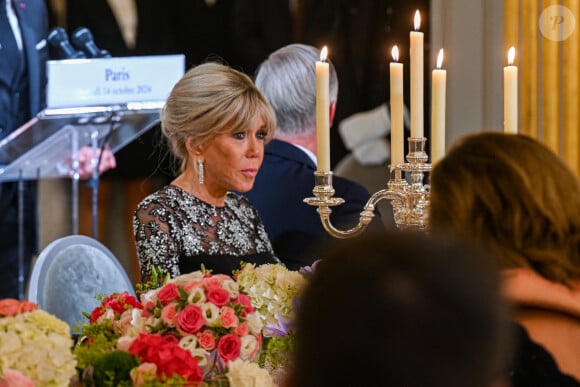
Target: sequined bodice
x=173, y=228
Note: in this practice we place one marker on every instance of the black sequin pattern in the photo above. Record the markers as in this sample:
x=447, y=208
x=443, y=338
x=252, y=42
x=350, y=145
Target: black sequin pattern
x=172, y=225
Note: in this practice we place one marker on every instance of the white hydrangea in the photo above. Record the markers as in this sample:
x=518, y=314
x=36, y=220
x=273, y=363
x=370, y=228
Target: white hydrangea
x=39, y=346
x=272, y=288
x=246, y=374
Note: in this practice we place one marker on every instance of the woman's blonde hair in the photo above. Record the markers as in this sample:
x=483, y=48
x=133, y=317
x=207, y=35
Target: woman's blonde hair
x=515, y=197
x=212, y=99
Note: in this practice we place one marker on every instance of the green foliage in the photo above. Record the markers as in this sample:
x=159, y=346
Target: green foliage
x=113, y=369
x=276, y=351
x=155, y=281
x=88, y=351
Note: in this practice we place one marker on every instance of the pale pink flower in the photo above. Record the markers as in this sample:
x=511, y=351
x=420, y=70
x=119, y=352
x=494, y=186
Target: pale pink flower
x=124, y=343
x=206, y=340
x=13, y=378
x=168, y=314
x=228, y=317
x=213, y=282
x=144, y=374
x=242, y=329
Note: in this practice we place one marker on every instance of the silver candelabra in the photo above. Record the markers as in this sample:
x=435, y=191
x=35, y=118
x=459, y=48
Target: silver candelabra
x=409, y=197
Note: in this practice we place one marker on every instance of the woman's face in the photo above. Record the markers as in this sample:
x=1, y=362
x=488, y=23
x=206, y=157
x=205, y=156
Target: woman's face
x=232, y=160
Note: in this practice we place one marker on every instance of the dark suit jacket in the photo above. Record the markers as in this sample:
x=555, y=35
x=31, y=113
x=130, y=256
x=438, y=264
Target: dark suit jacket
x=33, y=20
x=285, y=179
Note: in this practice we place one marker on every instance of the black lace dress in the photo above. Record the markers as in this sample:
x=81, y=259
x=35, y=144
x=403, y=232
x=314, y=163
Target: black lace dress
x=178, y=232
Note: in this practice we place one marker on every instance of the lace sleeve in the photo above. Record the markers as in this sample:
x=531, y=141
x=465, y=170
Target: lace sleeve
x=155, y=240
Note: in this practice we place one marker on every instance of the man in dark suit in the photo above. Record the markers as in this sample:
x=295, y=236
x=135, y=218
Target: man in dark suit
x=287, y=80
x=23, y=56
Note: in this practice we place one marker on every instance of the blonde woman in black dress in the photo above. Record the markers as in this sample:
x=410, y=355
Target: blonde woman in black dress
x=217, y=124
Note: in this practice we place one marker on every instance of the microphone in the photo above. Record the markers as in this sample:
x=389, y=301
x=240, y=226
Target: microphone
x=83, y=40
x=58, y=38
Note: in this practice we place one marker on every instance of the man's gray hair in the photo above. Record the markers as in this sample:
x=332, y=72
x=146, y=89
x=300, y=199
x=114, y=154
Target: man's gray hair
x=288, y=81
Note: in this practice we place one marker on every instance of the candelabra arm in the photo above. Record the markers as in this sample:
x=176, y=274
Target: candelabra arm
x=410, y=202
x=324, y=199
x=397, y=198
x=366, y=216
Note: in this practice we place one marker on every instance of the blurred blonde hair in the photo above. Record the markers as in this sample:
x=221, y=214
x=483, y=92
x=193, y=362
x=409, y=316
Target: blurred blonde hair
x=513, y=196
x=212, y=99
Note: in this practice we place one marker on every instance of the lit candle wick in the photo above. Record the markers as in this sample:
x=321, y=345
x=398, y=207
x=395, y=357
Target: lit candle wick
x=511, y=55
x=395, y=53
x=440, y=59
x=417, y=20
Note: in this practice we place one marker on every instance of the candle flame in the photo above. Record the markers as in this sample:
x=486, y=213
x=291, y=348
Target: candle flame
x=511, y=55
x=417, y=21
x=395, y=53
x=440, y=59
x=323, y=54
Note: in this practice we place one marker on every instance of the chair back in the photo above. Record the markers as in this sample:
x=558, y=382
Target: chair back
x=70, y=273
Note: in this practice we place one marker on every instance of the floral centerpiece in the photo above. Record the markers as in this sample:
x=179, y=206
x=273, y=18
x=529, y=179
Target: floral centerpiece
x=274, y=291
x=194, y=328
x=35, y=346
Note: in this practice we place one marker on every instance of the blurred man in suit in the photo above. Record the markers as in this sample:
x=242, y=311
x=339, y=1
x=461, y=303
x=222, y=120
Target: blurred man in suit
x=23, y=56
x=287, y=80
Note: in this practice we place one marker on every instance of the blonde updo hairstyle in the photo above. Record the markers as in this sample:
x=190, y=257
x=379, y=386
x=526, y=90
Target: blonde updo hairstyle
x=513, y=196
x=212, y=99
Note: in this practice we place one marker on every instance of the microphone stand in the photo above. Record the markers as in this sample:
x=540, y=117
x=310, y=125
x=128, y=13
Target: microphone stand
x=96, y=162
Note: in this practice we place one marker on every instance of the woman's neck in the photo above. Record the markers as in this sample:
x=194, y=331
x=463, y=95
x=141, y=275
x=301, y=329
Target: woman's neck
x=188, y=182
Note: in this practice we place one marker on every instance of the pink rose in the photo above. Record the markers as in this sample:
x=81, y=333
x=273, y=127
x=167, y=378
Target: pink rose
x=242, y=329
x=148, y=309
x=190, y=320
x=168, y=314
x=213, y=282
x=246, y=301
x=229, y=347
x=218, y=296
x=168, y=293
x=228, y=317
x=206, y=340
